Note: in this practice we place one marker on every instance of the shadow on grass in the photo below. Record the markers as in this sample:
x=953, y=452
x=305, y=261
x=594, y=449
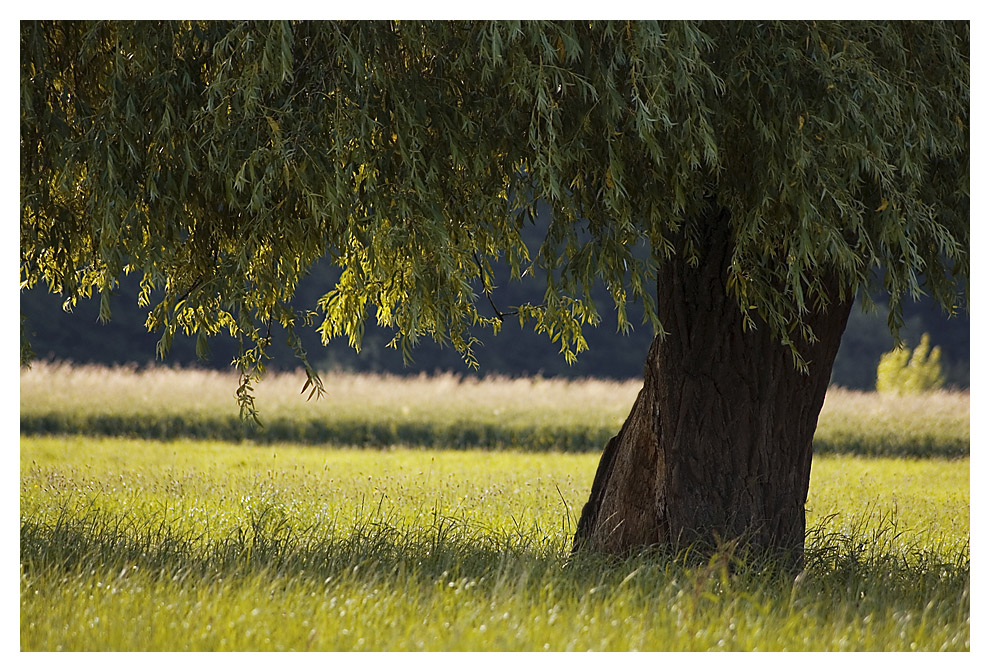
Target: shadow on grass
x=459, y=435
x=869, y=567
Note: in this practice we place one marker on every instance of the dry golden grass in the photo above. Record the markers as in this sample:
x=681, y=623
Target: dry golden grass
x=911, y=424
x=61, y=385
x=440, y=411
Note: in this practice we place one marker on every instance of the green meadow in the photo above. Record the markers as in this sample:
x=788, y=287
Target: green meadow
x=183, y=542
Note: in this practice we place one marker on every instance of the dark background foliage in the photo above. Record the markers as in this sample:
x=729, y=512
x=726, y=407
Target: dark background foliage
x=78, y=336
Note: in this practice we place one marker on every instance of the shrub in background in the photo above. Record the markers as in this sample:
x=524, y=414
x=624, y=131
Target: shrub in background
x=903, y=371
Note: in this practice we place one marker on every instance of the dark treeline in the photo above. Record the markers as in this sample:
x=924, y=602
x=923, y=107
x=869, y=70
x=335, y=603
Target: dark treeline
x=515, y=351
x=79, y=337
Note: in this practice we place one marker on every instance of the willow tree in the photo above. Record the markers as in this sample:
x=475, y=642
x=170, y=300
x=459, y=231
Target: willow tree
x=738, y=181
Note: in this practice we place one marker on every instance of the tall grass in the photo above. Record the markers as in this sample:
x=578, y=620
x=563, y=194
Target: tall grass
x=926, y=424
x=443, y=411
x=143, y=545
x=369, y=410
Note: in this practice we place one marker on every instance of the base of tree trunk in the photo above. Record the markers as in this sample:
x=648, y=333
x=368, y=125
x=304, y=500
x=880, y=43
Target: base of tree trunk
x=718, y=444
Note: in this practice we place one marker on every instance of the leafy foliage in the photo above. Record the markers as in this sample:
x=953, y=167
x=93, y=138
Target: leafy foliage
x=220, y=160
x=908, y=372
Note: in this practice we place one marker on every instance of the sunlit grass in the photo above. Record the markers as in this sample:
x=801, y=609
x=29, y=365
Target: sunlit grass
x=443, y=411
x=143, y=545
x=53, y=386
x=871, y=423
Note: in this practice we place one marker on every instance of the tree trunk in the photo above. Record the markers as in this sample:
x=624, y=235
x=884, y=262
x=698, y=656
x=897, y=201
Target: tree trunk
x=717, y=446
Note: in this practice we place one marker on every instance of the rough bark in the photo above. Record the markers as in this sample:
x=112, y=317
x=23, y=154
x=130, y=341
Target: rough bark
x=718, y=444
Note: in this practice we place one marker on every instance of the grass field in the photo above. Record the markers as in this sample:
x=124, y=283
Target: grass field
x=139, y=545
x=434, y=412
x=149, y=545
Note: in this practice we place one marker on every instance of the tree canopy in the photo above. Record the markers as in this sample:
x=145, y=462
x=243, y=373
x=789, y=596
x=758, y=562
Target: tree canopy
x=220, y=160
